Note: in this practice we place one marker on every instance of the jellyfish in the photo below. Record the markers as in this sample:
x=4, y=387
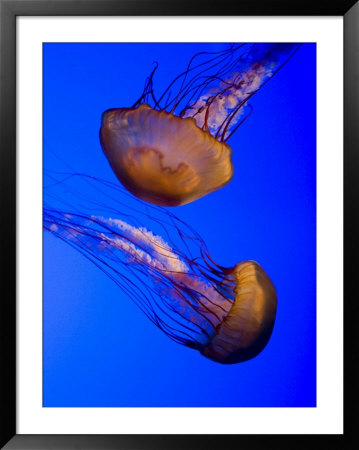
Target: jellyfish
x=172, y=149
x=227, y=314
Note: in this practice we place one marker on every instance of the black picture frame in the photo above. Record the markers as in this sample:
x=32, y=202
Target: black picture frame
x=9, y=10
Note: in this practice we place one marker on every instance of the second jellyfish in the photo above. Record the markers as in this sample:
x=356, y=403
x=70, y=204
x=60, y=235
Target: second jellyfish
x=227, y=314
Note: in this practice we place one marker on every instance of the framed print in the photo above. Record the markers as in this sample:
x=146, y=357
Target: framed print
x=173, y=210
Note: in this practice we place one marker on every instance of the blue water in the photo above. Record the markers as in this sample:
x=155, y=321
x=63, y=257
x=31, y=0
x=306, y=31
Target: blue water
x=99, y=348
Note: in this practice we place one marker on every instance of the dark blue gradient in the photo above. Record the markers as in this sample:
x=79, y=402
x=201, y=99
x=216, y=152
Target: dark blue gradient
x=99, y=348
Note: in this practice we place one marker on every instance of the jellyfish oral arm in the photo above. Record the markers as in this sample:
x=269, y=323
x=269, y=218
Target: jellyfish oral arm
x=224, y=105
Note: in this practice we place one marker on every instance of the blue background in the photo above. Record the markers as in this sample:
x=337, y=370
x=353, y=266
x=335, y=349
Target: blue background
x=98, y=347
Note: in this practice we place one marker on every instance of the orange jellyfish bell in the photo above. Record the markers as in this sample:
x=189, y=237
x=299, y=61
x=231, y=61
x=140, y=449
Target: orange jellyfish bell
x=246, y=329
x=162, y=158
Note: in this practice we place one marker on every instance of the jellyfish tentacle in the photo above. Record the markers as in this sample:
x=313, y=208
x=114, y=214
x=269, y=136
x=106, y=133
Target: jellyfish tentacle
x=220, y=54
x=148, y=89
